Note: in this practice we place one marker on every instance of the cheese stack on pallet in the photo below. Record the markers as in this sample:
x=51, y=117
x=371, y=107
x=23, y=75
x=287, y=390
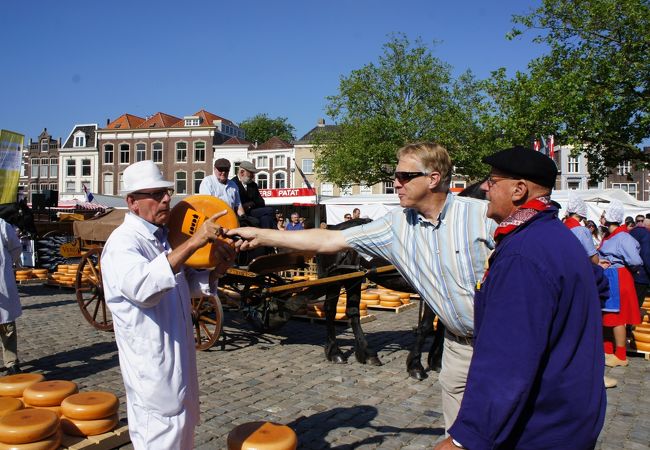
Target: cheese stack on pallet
x=89, y=413
x=49, y=394
x=23, y=274
x=40, y=273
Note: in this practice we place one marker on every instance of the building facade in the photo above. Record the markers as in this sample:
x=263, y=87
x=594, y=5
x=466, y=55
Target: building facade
x=79, y=162
x=42, y=171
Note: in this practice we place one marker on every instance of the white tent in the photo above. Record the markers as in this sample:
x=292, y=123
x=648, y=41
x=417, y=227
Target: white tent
x=371, y=206
x=598, y=199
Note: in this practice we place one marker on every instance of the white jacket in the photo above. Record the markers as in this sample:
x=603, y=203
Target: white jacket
x=10, y=250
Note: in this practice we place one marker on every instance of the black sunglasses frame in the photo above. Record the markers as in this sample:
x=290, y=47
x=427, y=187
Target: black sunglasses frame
x=407, y=176
x=156, y=195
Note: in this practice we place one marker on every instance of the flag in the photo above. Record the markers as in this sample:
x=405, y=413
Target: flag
x=551, y=147
x=89, y=195
x=302, y=174
x=543, y=147
x=536, y=145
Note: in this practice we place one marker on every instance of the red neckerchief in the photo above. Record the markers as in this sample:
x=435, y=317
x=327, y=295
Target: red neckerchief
x=620, y=229
x=522, y=215
x=571, y=222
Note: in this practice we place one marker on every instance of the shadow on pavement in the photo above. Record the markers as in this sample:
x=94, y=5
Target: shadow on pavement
x=84, y=361
x=43, y=305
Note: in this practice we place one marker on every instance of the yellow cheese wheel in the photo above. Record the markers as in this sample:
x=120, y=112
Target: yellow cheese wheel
x=299, y=278
x=644, y=328
x=75, y=427
x=27, y=425
x=389, y=298
x=643, y=346
x=90, y=405
x=62, y=267
x=401, y=295
x=340, y=316
x=406, y=301
x=50, y=443
x=49, y=393
x=640, y=336
x=14, y=385
x=262, y=436
x=370, y=302
x=316, y=313
x=391, y=304
x=187, y=217
x=369, y=296
x=54, y=409
x=340, y=308
x=9, y=404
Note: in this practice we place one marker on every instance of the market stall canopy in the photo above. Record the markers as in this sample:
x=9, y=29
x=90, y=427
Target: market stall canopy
x=371, y=206
x=99, y=228
x=598, y=199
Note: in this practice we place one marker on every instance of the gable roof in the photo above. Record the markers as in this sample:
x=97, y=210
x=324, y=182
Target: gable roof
x=159, y=120
x=125, y=122
x=311, y=134
x=237, y=141
x=89, y=130
x=206, y=119
x=274, y=143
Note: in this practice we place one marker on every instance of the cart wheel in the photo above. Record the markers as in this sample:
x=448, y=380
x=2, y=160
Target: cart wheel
x=207, y=317
x=90, y=293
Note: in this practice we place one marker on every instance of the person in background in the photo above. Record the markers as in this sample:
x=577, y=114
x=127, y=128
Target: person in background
x=576, y=214
x=347, y=217
x=356, y=213
x=642, y=275
x=323, y=225
x=595, y=234
x=629, y=222
x=10, y=309
x=251, y=199
x=280, y=223
x=536, y=377
x=218, y=185
x=619, y=254
x=294, y=223
x=148, y=291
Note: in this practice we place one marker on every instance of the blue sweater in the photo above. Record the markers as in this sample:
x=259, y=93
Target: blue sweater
x=536, y=377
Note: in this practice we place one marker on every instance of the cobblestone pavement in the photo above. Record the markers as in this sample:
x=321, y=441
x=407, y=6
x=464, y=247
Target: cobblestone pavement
x=284, y=378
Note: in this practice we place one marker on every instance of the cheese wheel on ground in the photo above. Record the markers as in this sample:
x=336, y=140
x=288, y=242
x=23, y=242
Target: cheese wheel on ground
x=340, y=316
x=390, y=304
x=76, y=427
x=340, y=308
x=14, y=385
x=50, y=443
x=262, y=436
x=49, y=393
x=9, y=404
x=389, y=298
x=644, y=328
x=54, y=409
x=90, y=405
x=405, y=301
x=401, y=295
x=641, y=337
x=370, y=302
x=369, y=296
x=643, y=346
x=27, y=425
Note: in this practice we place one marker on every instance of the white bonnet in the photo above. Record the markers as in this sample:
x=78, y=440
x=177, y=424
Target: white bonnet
x=576, y=205
x=615, y=212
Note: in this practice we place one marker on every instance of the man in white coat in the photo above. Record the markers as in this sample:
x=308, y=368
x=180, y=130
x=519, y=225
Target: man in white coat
x=218, y=185
x=148, y=290
x=10, y=310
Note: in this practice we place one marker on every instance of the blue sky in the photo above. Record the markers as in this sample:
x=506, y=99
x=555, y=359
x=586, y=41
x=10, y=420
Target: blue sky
x=85, y=61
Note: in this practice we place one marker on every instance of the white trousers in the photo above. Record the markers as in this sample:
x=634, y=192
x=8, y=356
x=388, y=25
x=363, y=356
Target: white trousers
x=149, y=430
x=456, y=358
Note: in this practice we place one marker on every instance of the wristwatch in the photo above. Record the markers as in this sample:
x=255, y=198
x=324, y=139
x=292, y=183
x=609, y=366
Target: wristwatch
x=456, y=443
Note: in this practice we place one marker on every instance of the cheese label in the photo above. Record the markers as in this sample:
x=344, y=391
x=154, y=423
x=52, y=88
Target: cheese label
x=192, y=222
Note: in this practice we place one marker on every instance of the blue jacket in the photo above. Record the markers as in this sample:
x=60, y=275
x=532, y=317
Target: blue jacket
x=642, y=235
x=536, y=377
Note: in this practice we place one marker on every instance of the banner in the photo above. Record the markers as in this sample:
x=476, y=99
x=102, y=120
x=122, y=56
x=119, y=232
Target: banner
x=11, y=145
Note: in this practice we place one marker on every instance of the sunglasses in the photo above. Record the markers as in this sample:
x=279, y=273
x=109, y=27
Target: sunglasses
x=408, y=176
x=156, y=195
x=494, y=179
x=223, y=169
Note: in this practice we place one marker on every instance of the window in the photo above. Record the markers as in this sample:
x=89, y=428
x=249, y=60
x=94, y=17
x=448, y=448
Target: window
x=79, y=140
x=572, y=164
x=630, y=188
x=121, y=181
x=33, y=189
x=140, y=152
x=69, y=186
x=181, y=182
x=346, y=191
x=54, y=186
x=85, y=167
x=280, y=180
x=262, y=181
x=327, y=189
x=157, y=152
x=192, y=122
x=108, y=184
x=308, y=165
x=280, y=161
x=181, y=153
x=624, y=168
x=54, y=167
x=364, y=189
x=43, y=168
x=45, y=145
x=71, y=168
x=199, y=151
x=389, y=188
x=573, y=185
x=44, y=187
x=198, y=177
x=262, y=161
x=34, y=163
x=108, y=154
x=125, y=150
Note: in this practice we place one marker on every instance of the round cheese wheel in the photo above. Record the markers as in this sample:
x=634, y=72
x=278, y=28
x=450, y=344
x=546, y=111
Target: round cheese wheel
x=643, y=346
x=94, y=427
x=90, y=405
x=644, y=328
x=50, y=443
x=39, y=270
x=9, y=404
x=49, y=393
x=340, y=316
x=389, y=298
x=401, y=295
x=187, y=217
x=640, y=336
x=392, y=304
x=362, y=306
x=14, y=385
x=370, y=302
x=340, y=308
x=405, y=301
x=298, y=278
x=27, y=425
x=369, y=296
x=54, y=409
x=262, y=436
x=363, y=313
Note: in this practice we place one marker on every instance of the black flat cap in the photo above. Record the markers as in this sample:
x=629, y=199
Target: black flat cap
x=525, y=163
x=222, y=162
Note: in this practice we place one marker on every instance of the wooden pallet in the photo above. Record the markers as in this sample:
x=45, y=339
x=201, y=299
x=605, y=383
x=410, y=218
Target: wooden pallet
x=113, y=439
x=362, y=319
x=397, y=309
x=31, y=281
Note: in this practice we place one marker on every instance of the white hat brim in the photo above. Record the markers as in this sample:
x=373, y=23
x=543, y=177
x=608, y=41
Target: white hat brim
x=153, y=185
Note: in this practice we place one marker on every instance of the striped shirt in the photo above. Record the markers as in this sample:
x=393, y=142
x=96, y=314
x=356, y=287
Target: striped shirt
x=443, y=262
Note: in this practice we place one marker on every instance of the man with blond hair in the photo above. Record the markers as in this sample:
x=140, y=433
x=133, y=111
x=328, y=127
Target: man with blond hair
x=437, y=241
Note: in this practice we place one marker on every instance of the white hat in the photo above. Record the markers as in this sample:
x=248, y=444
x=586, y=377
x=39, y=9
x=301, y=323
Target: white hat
x=615, y=212
x=143, y=175
x=576, y=205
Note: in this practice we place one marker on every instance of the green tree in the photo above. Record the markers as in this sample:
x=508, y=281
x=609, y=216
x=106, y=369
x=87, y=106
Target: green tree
x=260, y=128
x=408, y=95
x=591, y=89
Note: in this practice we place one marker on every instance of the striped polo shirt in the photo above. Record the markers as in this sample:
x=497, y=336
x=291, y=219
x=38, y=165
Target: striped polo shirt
x=443, y=262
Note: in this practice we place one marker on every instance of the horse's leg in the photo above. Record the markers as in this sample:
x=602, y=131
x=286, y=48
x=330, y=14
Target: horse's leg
x=332, y=351
x=425, y=326
x=434, y=360
x=361, y=351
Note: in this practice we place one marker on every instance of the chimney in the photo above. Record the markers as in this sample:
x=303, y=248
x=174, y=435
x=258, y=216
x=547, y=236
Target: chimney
x=108, y=121
x=321, y=122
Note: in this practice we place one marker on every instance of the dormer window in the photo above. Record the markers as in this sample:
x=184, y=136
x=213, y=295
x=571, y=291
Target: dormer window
x=192, y=121
x=80, y=139
x=45, y=145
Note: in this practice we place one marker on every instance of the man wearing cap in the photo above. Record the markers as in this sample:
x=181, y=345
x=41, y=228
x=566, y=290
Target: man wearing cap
x=218, y=185
x=437, y=241
x=249, y=193
x=576, y=214
x=536, y=377
x=148, y=290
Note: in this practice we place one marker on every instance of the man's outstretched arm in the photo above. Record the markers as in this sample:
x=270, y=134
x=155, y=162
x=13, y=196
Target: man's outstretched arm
x=314, y=240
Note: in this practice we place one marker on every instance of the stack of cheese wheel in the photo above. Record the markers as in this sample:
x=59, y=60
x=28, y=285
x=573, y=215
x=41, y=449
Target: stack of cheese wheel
x=23, y=274
x=342, y=305
x=642, y=335
x=89, y=413
x=15, y=385
x=404, y=297
x=41, y=274
x=369, y=298
x=390, y=300
x=9, y=404
x=30, y=429
x=49, y=394
x=86, y=274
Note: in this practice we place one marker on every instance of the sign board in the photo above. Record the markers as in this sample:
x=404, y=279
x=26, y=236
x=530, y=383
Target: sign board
x=291, y=196
x=11, y=145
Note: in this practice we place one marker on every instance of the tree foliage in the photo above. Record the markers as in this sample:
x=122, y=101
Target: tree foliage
x=409, y=95
x=260, y=128
x=591, y=89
